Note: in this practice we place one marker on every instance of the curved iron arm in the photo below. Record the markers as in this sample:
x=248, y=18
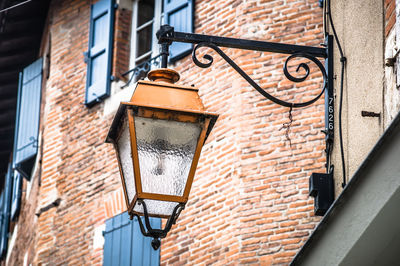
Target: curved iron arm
x=210, y=60
x=156, y=234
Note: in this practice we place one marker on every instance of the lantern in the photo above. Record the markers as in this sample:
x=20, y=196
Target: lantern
x=158, y=136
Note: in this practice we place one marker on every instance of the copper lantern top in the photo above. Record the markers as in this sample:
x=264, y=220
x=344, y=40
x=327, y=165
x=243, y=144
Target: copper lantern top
x=161, y=93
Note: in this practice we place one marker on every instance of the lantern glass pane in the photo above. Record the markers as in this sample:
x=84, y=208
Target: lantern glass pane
x=125, y=154
x=166, y=149
x=157, y=207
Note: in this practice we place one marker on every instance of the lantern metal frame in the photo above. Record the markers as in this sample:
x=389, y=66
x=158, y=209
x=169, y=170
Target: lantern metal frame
x=165, y=114
x=156, y=234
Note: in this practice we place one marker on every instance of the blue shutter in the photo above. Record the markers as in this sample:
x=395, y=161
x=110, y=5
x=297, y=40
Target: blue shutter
x=16, y=195
x=5, y=213
x=108, y=233
x=125, y=245
x=99, y=54
x=27, y=120
x=179, y=14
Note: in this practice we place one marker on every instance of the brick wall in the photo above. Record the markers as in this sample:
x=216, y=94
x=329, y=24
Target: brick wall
x=123, y=18
x=392, y=74
x=390, y=15
x=249, y=201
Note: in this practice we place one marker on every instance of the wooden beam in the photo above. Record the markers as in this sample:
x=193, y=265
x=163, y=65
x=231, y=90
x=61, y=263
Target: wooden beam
x=13, y=61
x=8, y=76
x=8, y=103
x=7, y=118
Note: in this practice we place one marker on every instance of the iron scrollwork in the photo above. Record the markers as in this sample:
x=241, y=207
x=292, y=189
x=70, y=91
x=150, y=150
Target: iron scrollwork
x=329, y=127
x=289, y=76
x=142, y=68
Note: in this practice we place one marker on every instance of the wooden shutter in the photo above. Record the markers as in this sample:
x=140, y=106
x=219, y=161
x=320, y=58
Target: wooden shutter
x=5, y=213
x=99, y=54
x=125, y=245
x=179, y=14
x=27, y=119
x=16, y=195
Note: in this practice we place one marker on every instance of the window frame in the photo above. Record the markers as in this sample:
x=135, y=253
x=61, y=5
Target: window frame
x=156, y=21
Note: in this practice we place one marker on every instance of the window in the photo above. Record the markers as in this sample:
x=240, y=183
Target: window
x=124, y=244
x=27, y=119
x=99, y=54
x=146, y=19
x=148, y=16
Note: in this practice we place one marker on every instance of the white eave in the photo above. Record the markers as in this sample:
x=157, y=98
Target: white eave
x=362, y=227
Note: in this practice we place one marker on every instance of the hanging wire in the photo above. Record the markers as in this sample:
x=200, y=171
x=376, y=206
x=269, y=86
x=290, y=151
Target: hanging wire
x=14, y=6
x=288, y=125
x=343, y=63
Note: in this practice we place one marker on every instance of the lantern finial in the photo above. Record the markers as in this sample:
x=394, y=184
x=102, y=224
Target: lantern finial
x=164, y=75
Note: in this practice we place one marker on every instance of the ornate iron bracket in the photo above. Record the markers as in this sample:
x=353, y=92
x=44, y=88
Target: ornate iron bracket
x=156, y=234
x=166, y=35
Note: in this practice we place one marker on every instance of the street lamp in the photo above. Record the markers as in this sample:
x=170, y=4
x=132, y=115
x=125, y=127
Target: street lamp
x=158, y=136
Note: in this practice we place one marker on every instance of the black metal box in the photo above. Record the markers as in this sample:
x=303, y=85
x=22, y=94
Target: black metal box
x=322, y=189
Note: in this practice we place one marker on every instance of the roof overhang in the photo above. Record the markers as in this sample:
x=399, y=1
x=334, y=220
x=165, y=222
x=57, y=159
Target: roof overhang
x=362, y=227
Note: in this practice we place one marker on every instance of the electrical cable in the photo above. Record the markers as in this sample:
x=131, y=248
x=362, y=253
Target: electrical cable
x=343, y=63
x=17, y=5
x=325, y=28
